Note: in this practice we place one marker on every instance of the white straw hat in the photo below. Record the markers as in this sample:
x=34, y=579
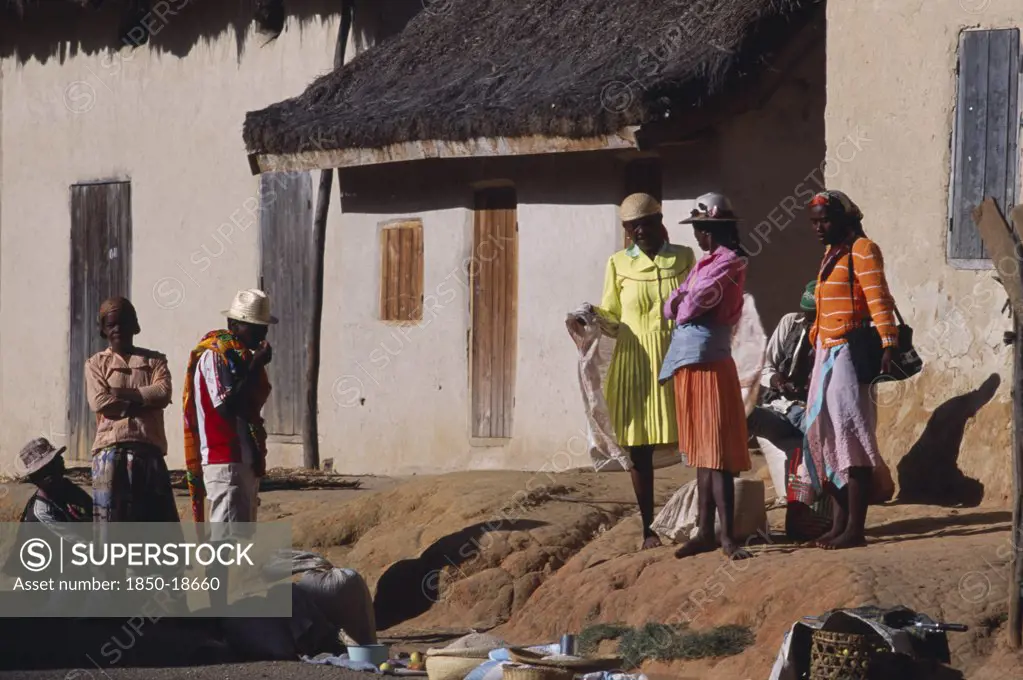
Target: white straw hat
x=251, y=306
x=638, y=206
x=712, y=207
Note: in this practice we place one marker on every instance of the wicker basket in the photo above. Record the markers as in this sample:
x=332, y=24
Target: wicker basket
x=848, y=656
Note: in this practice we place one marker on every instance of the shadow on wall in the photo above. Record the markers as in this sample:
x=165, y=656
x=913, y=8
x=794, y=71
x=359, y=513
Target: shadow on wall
x=410, y=587
x=929, y=473
x=64, y=29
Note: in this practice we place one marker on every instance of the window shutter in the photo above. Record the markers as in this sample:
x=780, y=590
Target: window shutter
x=986, y=141
x=401, y=271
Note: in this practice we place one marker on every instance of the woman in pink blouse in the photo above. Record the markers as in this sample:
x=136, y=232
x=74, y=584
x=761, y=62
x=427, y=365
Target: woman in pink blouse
x=708, y=396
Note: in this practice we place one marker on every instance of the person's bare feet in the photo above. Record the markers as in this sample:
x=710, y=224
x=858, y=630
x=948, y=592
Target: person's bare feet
x=844, y=541
x=696, y=546
x=734, y=551
x=824, y=540
x=651, y=542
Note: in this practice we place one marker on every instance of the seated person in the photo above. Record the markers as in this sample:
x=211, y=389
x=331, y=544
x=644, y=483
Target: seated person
x=59, y=505
x=57, y=499
x=776, y=422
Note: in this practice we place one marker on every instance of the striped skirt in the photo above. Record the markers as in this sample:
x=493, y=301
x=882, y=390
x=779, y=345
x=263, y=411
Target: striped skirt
x=642, y=410
x=711, y=417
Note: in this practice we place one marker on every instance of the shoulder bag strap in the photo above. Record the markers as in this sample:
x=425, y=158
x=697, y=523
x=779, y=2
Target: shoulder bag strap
x=852, y=296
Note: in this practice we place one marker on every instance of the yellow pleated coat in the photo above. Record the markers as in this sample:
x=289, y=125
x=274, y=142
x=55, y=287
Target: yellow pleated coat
x=635, y=288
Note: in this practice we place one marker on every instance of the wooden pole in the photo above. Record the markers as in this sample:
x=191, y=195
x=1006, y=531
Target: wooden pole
x=1015, y=563
x=1004, y=243
x=310, y=430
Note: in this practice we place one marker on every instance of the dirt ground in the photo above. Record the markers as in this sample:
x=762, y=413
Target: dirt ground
x=531, y=556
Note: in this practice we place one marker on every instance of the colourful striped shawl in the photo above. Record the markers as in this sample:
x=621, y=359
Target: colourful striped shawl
x=237, y=357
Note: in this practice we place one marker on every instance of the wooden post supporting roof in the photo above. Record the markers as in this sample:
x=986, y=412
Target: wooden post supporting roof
x=310, y=429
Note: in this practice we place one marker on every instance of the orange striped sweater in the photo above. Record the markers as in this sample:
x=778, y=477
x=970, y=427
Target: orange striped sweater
x=838, y=312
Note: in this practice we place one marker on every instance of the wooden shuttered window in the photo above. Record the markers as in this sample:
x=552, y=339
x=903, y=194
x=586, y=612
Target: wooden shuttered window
x=285, y=248
x=494, y=331
x=101, y=243
x=401, y=271
x=985, y=151
x=643, y=175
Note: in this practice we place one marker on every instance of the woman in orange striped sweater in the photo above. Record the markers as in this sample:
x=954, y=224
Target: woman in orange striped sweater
x=841, y=452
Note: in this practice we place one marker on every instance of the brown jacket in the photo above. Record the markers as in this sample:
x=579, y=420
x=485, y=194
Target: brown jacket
x=145, y=371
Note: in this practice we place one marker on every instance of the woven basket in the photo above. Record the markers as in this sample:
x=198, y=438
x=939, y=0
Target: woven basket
x=516, y=672
x=848, y=656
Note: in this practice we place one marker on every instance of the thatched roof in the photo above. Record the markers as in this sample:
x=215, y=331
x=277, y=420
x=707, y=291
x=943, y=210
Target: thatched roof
x=269, y=15
x=469, y=69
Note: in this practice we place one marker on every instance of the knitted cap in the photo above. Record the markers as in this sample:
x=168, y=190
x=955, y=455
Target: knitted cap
x=808, y=303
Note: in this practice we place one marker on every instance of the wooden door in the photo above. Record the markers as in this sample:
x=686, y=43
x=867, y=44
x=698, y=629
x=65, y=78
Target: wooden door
x=286, y=256
x=494, y=308
x=100, y=268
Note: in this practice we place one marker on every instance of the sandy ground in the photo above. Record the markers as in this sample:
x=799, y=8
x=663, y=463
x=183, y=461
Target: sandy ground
x=530, y=556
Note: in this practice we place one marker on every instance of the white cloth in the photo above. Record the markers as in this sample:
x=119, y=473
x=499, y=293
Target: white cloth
x=748, y=342
x=233, y=492
x=678, y=519
x=594, y=337
x=775, y=355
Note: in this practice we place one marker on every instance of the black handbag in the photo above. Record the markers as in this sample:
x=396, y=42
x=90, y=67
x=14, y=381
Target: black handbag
x=866, y=351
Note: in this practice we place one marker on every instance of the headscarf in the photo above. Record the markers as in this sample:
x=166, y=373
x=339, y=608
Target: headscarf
x=841, y=207
x=121, y=306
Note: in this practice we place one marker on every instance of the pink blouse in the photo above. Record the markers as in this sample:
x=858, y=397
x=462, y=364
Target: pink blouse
x=712, y=291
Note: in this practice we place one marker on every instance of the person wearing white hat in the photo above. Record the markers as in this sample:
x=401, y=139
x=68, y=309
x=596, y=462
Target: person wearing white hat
x=637, y=282
x=226, y=387
x=708, y=397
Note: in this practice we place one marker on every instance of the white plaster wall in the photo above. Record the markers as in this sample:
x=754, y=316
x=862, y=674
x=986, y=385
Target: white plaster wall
x=891, y=78
x=172, y=125
x=397, y=399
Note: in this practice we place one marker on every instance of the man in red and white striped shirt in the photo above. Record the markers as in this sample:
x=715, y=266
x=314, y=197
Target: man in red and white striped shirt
x=229, y=388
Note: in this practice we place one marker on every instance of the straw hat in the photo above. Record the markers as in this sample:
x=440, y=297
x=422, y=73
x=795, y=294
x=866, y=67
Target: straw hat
x=638, y=206
x=36, y=455
x=444, y=667
x=516, y=672
x=251, y=306
x=578, y=663
x=712, y=207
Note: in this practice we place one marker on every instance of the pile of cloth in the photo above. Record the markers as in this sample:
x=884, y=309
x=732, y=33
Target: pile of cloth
x=595, y=340
x=327, y=601
x=483, y=657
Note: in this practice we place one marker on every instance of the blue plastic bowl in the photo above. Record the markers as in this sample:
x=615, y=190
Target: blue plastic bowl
x=374, y=654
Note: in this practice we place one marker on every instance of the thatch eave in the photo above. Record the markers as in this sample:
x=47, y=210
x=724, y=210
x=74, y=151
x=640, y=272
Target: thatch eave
x=550, y=69
x=426, y=149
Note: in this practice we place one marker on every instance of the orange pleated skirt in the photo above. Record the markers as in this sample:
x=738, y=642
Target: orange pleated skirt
x=711, y=417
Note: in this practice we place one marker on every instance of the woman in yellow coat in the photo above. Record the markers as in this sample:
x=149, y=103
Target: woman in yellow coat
x=638, y=281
